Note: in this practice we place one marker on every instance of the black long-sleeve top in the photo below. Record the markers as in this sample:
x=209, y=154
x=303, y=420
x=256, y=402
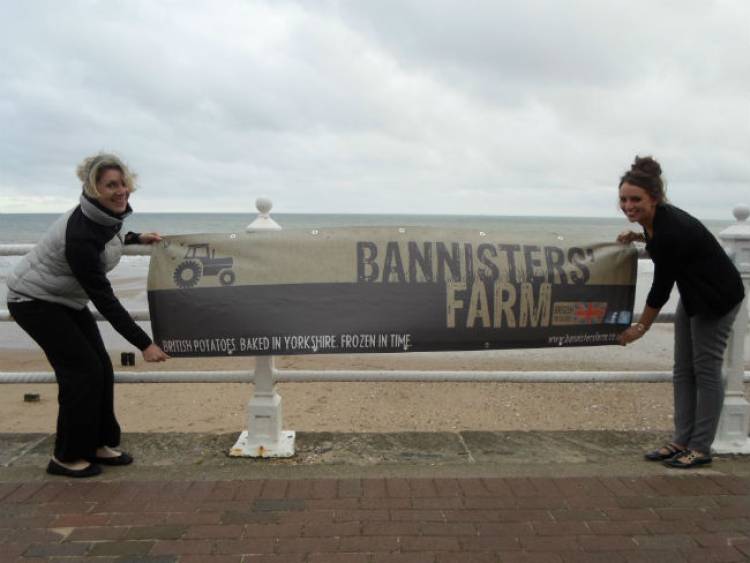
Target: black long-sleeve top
x=84, y=245
x=686, y=253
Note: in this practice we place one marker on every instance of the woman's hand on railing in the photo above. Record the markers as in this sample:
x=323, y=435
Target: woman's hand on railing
x=154, y=354
x=626, y=237
x=149, y=238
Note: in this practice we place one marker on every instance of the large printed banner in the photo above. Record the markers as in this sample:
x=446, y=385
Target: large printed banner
x=354, y=290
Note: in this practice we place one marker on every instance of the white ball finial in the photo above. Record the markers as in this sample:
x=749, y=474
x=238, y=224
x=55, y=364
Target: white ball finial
x=263, y=221
x=741, y=212
x=263, y=205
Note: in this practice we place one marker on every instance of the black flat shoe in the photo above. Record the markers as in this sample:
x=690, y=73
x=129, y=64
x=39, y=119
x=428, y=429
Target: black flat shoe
x=54, y=468
x=122, y=459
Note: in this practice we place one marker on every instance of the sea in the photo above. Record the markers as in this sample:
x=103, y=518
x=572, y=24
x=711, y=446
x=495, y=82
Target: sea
x=129, y=278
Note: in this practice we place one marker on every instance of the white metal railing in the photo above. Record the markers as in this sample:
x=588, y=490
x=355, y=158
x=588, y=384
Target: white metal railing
x=341, y=376
x=266, y=438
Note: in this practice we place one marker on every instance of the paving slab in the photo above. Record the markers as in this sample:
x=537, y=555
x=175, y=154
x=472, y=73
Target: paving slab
x=16, y=446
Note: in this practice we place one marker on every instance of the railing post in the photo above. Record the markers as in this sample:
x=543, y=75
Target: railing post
x=734, y=425
x=264, y=436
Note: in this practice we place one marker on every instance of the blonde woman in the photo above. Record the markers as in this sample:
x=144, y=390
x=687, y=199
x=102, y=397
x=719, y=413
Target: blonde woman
x=48, y=293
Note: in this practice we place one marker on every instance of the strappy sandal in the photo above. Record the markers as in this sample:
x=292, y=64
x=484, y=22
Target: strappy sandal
x=667, y=451
x=688, y=459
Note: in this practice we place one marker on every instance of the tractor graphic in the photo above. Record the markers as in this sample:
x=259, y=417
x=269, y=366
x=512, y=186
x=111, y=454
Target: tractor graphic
x=200, y=260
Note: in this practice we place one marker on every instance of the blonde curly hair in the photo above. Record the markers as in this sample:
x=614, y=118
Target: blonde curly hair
x=92, y=168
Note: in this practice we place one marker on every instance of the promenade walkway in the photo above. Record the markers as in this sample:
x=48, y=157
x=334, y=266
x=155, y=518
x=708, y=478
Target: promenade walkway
x=369, y=498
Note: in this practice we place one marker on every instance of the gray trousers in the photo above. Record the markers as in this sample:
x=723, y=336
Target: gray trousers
x=699, y=345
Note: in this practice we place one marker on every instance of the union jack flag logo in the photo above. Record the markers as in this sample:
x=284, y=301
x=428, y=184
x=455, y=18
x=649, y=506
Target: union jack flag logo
x=590, y=313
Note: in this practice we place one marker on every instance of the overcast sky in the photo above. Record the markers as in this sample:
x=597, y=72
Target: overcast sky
x=385, y=106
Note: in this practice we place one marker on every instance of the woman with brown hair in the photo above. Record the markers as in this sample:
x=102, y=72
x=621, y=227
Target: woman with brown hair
x=684, y=253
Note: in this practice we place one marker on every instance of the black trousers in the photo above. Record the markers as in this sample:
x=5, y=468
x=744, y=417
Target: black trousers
x=85, y=378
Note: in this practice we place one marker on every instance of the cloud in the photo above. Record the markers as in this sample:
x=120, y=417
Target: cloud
x=436, y=107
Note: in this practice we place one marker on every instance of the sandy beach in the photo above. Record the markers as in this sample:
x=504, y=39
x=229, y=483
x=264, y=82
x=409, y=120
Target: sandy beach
x=382, y=407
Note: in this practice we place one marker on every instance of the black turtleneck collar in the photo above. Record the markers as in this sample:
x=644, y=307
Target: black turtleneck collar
x=99, y=214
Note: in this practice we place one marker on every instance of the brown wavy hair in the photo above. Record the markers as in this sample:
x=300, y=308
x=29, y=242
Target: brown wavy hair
x=645, y=172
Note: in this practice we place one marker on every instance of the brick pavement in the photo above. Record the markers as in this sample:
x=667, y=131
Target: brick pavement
x=400, y=520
